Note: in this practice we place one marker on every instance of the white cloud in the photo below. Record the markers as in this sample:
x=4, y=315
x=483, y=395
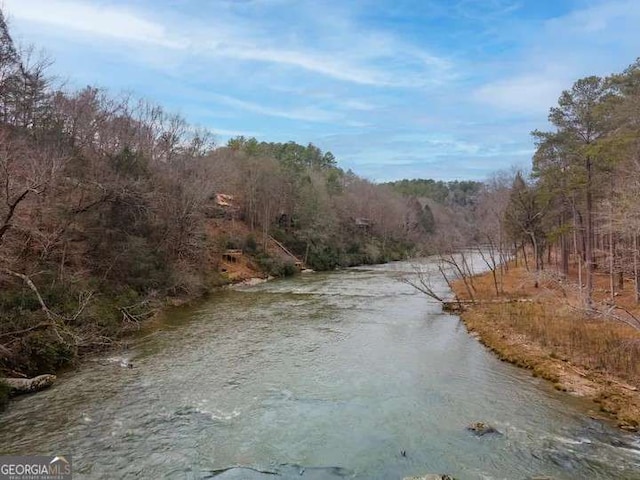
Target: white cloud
x=95, y=19
x=594, y=40
x=607, y=17
x=528, y=94
x=346, y=54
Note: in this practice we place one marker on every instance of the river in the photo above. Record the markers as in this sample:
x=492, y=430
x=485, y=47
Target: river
x=321, y=376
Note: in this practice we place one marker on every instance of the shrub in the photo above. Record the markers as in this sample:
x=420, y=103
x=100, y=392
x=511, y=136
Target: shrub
x=43, y=352
x=275, y=266
x=323, y=257
x=4, y=394
x=250, y=244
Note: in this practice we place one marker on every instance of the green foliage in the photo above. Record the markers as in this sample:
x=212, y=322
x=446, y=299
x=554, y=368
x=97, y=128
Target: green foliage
x=5, y=390
x=324, y=257
x=427, y=221
x=276, y=267
x=461, y=193
x=21, y=304
x=292, y=156
x=250, y=244
x=18, y=300
x=233, y=243
x=334, y=181
x=421, y=217
x=130, y=164
x=140, y=266
x=42, y=352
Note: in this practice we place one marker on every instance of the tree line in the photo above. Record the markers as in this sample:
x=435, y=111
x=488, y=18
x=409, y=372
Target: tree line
x=577, y=209
x=582, y=202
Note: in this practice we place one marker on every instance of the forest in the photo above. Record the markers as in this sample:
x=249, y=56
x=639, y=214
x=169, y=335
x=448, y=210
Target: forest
x=580, y=207
x=110, y=206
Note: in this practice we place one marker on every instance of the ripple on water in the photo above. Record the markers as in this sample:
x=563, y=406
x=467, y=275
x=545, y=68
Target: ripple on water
x=344, y=369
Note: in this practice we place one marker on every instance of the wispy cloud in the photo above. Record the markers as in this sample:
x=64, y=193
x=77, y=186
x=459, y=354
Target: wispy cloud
x=358, y=105
x=94, y=19
x=309, y=114
x=224, y=132
x=526, y=94
x=330, y=66
x=487, y=10
x=241, y=41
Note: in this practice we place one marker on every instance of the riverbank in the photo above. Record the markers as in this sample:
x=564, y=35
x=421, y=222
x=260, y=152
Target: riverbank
x=584, y=355
x=118, y=339
x=47, y=358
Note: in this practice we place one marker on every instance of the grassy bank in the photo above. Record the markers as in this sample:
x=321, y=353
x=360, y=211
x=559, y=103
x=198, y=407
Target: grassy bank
x=583, y=354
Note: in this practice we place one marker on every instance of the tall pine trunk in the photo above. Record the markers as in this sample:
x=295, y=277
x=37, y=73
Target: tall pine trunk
x=589, y=235
x=636, y=269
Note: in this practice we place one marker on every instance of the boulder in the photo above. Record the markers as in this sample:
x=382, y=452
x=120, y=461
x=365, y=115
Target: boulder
x=480, y=429
x=29, y=385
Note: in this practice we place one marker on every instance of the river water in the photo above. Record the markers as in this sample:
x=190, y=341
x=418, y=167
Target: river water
x=326, y=375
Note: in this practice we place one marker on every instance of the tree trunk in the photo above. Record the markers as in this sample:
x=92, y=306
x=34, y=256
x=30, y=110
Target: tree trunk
x=589, y=235
x=524, y=254
x=636, y=270
x=565, y=255
x=611, y=259
x=578, y=257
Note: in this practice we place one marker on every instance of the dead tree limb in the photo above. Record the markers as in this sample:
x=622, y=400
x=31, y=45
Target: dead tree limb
x=34, y=289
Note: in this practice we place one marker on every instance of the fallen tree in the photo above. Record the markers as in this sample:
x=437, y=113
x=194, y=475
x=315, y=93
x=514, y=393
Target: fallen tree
x=29, y=385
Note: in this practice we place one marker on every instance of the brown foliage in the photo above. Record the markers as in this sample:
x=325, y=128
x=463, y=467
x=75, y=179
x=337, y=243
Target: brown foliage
x=579, y=351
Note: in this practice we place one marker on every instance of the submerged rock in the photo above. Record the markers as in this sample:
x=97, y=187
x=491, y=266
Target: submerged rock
x=117, y=361
x=239, y=473
x=431, y=476
x=285, y=470
x=628, y=427
x=480, y=429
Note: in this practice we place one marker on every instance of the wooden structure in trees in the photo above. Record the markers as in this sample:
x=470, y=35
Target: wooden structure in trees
x=232, y=255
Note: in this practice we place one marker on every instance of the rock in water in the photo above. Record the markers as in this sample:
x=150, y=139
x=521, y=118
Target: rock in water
x=480, y=429
x=29, y=385
x=431, y=476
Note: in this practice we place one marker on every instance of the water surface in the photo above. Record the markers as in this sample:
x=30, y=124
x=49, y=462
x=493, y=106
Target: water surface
x=327, y=375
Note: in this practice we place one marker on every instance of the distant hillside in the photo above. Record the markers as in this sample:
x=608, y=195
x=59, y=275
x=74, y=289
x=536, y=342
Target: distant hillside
x=461, y=193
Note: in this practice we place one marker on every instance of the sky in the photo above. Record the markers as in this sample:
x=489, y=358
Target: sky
x=444, y=89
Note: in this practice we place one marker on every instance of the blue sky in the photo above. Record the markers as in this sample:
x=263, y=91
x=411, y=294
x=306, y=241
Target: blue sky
x=445, y=89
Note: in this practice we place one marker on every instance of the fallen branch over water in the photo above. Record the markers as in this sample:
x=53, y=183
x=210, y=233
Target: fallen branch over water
x=461, y=305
